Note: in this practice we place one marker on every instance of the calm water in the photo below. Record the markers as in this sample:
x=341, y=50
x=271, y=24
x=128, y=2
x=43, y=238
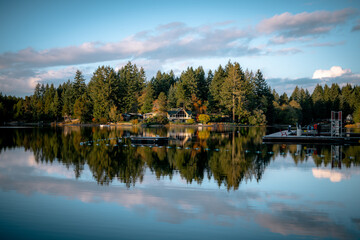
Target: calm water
x=91, y=183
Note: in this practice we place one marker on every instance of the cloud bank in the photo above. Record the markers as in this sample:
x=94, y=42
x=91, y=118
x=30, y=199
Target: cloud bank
x=303, y=26
x=170, y=41
x=335, y=74
x=170, y=44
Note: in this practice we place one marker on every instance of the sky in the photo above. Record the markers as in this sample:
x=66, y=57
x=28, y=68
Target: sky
x=293, y=43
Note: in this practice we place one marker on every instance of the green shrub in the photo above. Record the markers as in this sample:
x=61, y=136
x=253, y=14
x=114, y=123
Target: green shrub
x=257, y=118
x=215, y=118
x=158, y=119
x=190, y=121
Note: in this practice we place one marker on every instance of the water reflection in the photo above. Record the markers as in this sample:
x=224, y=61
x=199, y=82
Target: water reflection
x=230, y=156
x=282, y=191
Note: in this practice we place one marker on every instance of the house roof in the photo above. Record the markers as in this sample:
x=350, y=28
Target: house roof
x=175, y=111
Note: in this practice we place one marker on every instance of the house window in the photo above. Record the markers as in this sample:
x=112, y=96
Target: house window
x=180, y=114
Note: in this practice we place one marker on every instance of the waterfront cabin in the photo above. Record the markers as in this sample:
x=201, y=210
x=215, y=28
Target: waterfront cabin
x=179, y=114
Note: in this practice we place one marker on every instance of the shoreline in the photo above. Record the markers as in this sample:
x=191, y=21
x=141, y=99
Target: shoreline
x=129, y=124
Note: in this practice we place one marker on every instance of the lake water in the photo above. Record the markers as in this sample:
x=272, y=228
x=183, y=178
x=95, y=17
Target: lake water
x=207, y=183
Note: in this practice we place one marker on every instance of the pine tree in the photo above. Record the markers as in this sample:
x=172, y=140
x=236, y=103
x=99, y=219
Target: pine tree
x=318, y=101
x=284, y=99
x=306, y=106
x=132, y=82
x=201, y=84
x=56, y=106
x=147, y=99
x=162, y=82
x=82, y=109
x=296, y=95
x=215, y=90
x=334, y=98
x=187, y=86
x=37, y=103
x=345, y=100
x=233, y=91
x=67, y=99
x=172, y=100
x=103, y=91
x=79, y=85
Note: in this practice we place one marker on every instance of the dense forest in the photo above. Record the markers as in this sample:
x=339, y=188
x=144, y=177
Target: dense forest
x=227, y=94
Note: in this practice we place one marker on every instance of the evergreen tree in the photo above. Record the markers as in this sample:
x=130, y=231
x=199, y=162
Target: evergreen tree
x=284, y=99
x=319, y=102
x=306, y=106
x=82, y=108
x=345, y=100
x=37, y=103
x=172, y=100
x=103, y=91
x=201, y=84
x=233, y=91
x=67, y=99
x=147, y=99
x=327, y=103
x=162, y=82
x=186, y=88
x=296, y=95
x=79, y=86
x=334, y=98
x=263, y=96
x=56, y=106
x=276, y=96
x=209, y=78
x=132, y=82
x=215, y=90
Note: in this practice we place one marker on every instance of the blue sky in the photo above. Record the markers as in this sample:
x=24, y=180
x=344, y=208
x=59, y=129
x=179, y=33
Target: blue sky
x=293, y=42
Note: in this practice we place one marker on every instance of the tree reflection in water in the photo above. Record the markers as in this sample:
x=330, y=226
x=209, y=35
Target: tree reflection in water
x=229, y=155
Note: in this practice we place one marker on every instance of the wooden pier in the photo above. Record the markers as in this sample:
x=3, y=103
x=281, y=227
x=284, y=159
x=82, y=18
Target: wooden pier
x=150, y=140
x=288, y=137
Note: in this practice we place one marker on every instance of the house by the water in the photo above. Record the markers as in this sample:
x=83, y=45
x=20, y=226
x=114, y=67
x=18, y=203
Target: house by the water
x=179, y=114
x=176, y=114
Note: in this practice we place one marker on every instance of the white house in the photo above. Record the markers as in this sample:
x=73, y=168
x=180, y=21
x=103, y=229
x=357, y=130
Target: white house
x=179, y=114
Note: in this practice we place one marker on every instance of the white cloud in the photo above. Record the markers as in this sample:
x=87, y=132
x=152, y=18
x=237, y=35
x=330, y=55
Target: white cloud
x=335, y=71
x=170, y=41
x=23, y=82
x=335, y=74
x=303, y=26
x=164, y=46
x=334, y=175
x=326, y=173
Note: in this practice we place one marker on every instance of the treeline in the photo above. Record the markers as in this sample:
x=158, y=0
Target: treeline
x=227, y=94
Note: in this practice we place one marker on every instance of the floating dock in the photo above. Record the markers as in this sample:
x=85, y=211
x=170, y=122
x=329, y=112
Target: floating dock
x=287, y=137
x=150, y=140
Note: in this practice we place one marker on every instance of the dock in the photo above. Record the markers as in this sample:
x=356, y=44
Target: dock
x=150, y=140
x=288, y=137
